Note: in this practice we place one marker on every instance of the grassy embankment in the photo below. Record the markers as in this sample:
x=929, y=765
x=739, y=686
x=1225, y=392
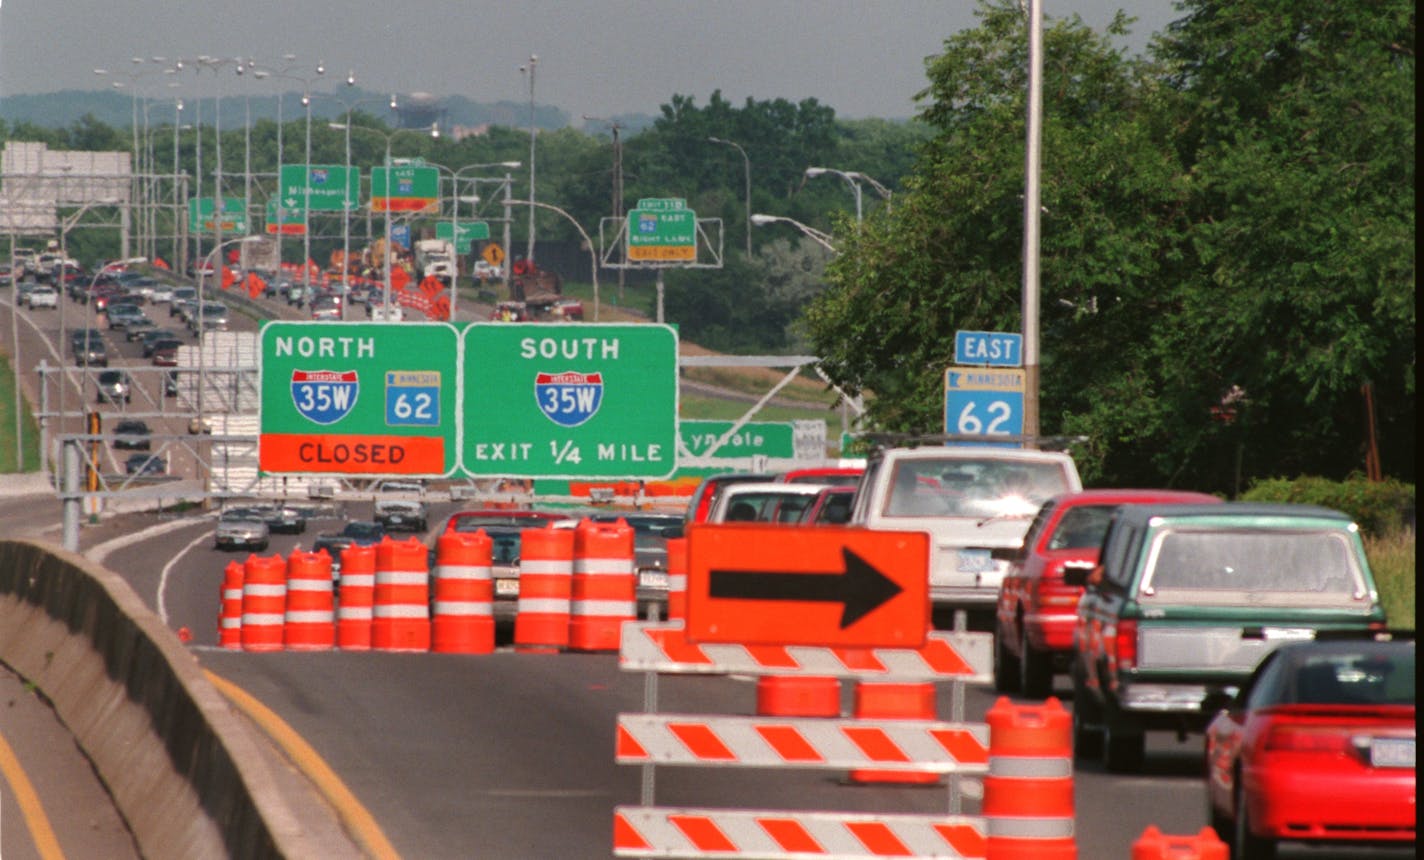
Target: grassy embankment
x=1393, y=561
x=31, y=430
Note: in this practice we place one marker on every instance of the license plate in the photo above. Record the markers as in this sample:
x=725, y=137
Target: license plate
x=1287, y=634
x=1392, y=752
x=975, y=561
x=394, y=519
x=506, y=588
x=652, y=579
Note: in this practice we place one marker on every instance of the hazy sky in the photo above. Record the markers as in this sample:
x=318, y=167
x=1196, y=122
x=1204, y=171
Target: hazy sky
x=599, y=57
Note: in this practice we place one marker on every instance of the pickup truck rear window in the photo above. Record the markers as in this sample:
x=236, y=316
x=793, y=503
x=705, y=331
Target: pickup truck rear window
x=1296, y=567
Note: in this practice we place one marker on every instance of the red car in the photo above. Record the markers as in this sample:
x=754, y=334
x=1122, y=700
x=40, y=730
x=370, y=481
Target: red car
x=842, y=476
x=700, y=505
x=1317, y=747
x=831, y=507
x=1036, y=611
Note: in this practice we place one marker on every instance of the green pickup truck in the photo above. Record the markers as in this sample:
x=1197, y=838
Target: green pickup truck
x=1187, y=599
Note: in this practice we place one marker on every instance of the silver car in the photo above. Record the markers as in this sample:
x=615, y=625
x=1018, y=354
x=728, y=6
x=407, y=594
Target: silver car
x=241, y=529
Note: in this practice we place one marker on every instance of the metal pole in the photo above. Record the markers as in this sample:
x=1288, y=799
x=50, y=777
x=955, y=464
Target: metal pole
x=386, y=245
x=508, y=182
x=529, y=253
x=306, y=207
x=72, y=499
x=346, y=218
x=1031, y=212
x=15, y=337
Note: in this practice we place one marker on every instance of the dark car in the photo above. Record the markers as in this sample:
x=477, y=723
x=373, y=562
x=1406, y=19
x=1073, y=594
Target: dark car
x=114, y=386
x=356, y=533
x=165, y=352
x=153, y=336
x=170, y=384
x=831, y=506
x=145, y=464
x=133, y=435
x=89, y=349
x=1317, y=747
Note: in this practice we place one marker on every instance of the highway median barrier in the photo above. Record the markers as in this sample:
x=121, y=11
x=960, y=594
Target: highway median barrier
x=183, y=768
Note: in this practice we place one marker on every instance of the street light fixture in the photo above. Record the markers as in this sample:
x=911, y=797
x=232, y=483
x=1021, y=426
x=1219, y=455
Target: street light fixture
x=853, y=179
x=823, y=239
x=433, y=132
x=747, y=164
x=592, y=253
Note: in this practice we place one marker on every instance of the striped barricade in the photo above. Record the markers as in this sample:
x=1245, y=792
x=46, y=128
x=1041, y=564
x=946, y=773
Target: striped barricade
x=809, y=743
x=945, y=656
x=671, y=832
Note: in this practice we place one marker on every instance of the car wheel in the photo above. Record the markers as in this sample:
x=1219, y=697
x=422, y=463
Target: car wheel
x=1035, y=672
x=1124, y=744
x=1246, y=845
x=1087, y=716
x=1006, y=666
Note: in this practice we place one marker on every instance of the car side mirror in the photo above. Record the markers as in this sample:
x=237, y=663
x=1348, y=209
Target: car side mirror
x=1077, y=573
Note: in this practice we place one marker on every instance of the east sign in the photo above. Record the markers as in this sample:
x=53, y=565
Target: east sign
x=358, y=399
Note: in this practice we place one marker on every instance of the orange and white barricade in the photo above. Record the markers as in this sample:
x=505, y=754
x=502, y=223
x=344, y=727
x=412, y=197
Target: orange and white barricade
x=546, y=564
x=356, y=595
x=1028, y=792
x=311, y=611
x=893, y=701
x=230, y=616
x=264, y=602
x=464, y=594
x=604, y=591
x=400, y=618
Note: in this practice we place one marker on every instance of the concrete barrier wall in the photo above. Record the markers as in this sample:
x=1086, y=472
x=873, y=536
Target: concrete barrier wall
x=183, y=768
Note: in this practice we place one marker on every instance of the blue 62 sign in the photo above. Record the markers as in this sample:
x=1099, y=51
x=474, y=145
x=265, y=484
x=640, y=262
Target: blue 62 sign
x=984, y=402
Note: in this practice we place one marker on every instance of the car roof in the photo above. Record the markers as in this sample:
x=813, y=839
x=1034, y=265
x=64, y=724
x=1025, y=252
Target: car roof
x=1133, y=496
x=1138, y=514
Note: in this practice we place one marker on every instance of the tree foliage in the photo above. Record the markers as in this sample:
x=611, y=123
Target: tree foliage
x=1232, y=215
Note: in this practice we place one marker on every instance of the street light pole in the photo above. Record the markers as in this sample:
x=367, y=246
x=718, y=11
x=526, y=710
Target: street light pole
x=616, y=127
x=1033, y=142
x=592, y=252
x=747, y=165
x=822, y=239
x=533, y=61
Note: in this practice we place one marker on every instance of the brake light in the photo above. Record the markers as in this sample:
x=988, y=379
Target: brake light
x=1051, y=591
x=1126, y=644
x=1307, y=739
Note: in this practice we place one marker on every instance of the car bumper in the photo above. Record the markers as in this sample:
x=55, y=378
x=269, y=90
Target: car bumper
x=968, y=597
x=1050, y=631
x=1332, y=804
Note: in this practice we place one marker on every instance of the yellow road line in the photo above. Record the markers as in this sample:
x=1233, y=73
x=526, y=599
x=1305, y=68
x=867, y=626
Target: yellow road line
x=357, y=819
x=30, y=807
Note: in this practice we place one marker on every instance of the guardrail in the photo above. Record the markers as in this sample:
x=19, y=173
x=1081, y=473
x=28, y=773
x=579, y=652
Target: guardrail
x=184, y=771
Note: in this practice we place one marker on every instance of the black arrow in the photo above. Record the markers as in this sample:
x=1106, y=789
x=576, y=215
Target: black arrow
x=860, y=587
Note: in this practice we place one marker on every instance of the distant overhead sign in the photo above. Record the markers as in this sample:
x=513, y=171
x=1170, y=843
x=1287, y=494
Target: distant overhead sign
x=662, y=230
x=404, y=188
x=288, y=222
x=206, y=216
x=320, y=187
x=462, y=233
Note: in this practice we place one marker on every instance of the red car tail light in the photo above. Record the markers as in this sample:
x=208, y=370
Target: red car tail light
x=1050, y=591
x=1308, y=739
x=1126, y=644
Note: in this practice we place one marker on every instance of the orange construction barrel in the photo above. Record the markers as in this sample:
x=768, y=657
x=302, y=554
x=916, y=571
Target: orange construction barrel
x=677, y=578
x=1028, y=792
x=356, y=595
x=311, y=611
x=400, y=617
x=546, y=564
x=230, y=616
x=604, y=588
x=886, y=701
x=264, y=602
x=464, y=594
x=1156, y=845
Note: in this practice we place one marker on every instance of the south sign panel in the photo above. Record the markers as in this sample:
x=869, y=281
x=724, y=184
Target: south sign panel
x=572, y=400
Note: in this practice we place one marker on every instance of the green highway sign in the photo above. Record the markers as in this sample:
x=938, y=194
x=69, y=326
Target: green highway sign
x=202, y=215
x=662, y=230
x=320, y=187
x=573, y=400
x=283, y=220
x=404, y=188
x=470, y=231
x=363, y=399
x=765, y=438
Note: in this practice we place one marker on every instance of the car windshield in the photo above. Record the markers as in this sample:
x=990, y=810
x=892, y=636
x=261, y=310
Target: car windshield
x=1315, y=566
x=475, y=522
x=965, y=487
x=767, y=507
x=505, y=547
x=362, y=531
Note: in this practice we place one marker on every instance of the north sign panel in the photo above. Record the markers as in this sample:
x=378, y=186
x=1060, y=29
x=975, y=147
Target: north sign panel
x=358, y=399
x=573, y=400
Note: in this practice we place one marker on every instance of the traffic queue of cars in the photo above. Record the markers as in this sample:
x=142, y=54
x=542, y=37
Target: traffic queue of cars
x=1257, y=626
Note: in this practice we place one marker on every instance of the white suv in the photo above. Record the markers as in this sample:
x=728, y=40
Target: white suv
x=974, y=501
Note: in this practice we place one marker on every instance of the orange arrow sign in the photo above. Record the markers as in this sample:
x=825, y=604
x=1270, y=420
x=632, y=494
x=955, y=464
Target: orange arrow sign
x=791, y=585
